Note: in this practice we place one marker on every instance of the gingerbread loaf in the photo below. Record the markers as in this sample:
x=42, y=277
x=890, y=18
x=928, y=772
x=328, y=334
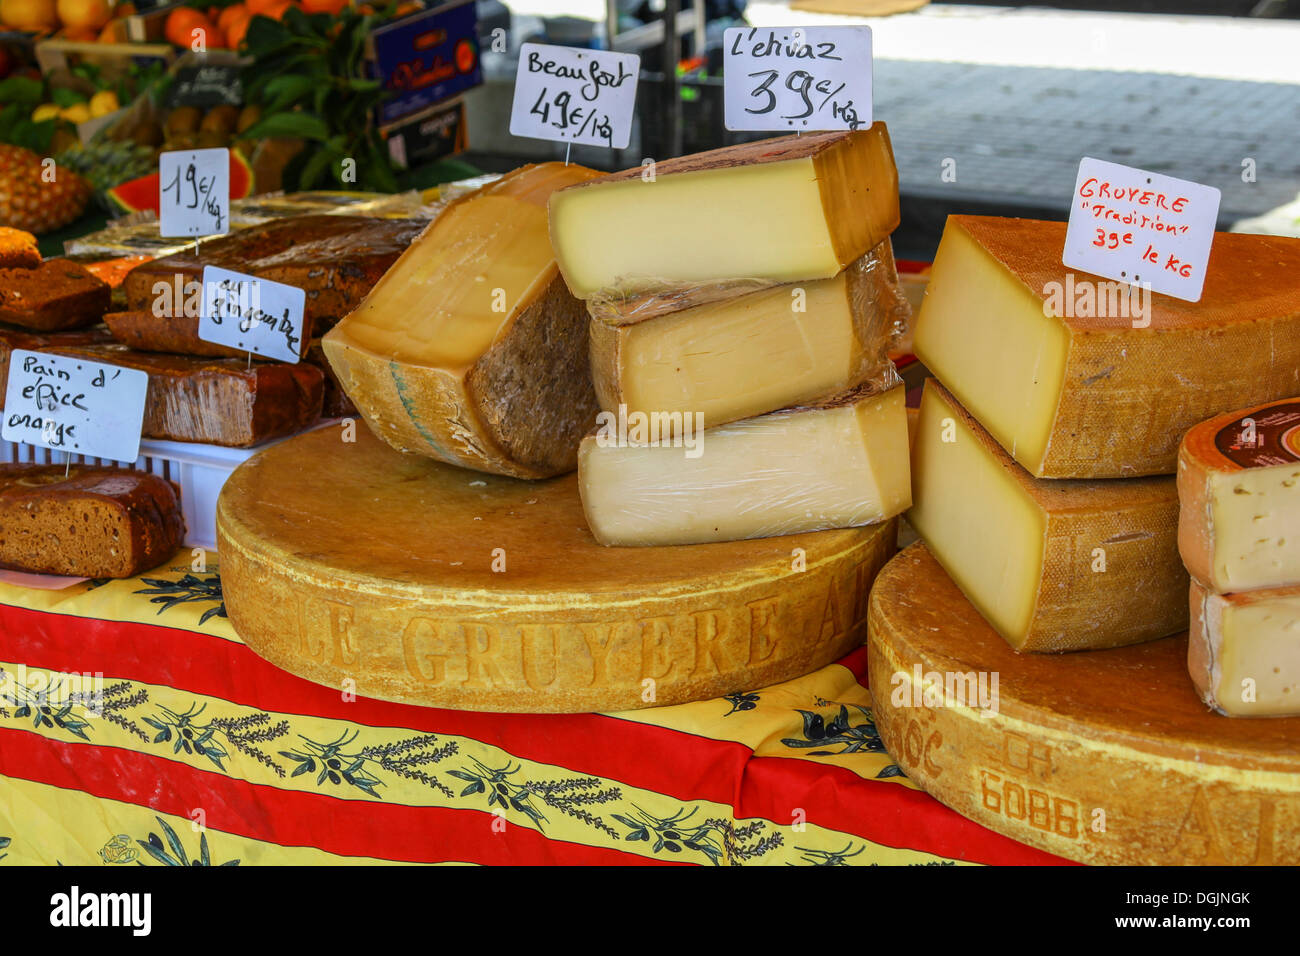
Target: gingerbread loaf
x=92, y=522
x=217, y=401
x=334, y=259
x=52, y=297
x=11, y=339
x=177, y=335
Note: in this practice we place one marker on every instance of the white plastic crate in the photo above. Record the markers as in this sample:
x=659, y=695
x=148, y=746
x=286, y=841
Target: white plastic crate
x=198, y=470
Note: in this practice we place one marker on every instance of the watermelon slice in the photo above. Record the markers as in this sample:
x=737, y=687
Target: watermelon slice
x=141, y=194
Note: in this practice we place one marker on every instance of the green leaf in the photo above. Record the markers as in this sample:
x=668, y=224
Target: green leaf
x=203, y=850
x=64, y=97
x=316, y=167
x=302, y=768
x=174, y=842
x=156, y=851
x=22, y=89
x=300, y=125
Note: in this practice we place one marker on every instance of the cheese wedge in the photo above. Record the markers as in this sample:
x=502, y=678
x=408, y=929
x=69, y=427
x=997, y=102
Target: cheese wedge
x=1239, y=485
x=737, y=356
x=1088, y=396
x=1052, y=565
x=782, y=210
x=837, y=464
x=1244, y=652
x=470, y=349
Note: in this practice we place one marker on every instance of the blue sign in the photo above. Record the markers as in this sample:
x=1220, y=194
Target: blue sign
x=427, y=58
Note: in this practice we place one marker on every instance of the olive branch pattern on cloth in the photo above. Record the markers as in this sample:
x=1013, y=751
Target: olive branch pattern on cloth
x=177, y=857
x=189, y=588
x=862, y=737
x=828, y=857
x=340, y=767
x=4, y=845
x=569, y=795
x=242, y=733
x=715, y=839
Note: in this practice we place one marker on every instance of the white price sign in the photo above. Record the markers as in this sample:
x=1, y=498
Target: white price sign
x=796, y=79
x=1141, y=228
x=74, y=405
x=574, y=95
x=251, y=314
x=194, y=192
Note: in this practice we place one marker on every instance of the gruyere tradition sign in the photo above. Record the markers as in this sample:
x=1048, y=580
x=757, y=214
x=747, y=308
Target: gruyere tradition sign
x=1142, y=228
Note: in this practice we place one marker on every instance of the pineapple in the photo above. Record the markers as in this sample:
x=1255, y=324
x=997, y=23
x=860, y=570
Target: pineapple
x=28, y=201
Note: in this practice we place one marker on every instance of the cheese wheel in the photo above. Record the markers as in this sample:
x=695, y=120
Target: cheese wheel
x=429, y=584
x=1105, y=757
x=1239, y=487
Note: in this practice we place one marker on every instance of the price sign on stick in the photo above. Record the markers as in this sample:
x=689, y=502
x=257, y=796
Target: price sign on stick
x=1142, y=228
x=575, y=96
x=74, y=405
x=194, y=192
x=254, y=315
x=796, y=79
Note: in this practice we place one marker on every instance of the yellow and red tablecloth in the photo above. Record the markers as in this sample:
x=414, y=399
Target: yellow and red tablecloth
x=135, y=727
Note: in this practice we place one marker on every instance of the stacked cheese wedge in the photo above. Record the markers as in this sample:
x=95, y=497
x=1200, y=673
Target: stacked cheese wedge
x=1239, y=534
x=741, y=301
x=1044, y=454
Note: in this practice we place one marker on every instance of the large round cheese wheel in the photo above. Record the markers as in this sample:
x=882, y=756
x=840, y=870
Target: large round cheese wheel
x=1098, y=756
x=401, y=578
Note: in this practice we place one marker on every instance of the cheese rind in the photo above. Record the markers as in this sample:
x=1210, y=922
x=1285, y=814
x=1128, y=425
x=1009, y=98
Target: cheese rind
x=780, y=210
x=1087, y=396
x=1239, y=484
x=839, y=464
x=1244, y=651
x=470, y=349
x=1052, y=565
x=744, y=355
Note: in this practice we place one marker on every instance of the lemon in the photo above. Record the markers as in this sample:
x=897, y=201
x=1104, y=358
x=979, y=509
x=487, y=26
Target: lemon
x=103, y=103
x=46, y=111
x=77, y=113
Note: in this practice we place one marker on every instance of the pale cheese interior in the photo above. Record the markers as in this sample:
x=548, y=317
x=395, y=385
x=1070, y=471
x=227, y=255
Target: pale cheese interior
x=983, y=333
x=446, y=299
x=1259, y=641
x=743, y=356
x=979, y=523
x=784, y=473
x=1256, y=522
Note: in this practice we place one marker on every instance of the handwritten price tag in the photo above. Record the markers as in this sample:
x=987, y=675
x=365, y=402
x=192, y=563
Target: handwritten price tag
x=1142, y=228
x=74, y=405
x=255, y=315
x=194, y=192
x=575, y=96
x=797, y=79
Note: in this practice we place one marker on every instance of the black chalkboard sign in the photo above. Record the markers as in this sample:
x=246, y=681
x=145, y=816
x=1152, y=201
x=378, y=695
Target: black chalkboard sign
x=206, y=86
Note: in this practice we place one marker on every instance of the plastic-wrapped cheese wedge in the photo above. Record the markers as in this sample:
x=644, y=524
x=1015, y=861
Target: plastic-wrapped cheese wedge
x=470, y=349
x=1244, y=651
x=1239, y=484
x=733, y=356
x=780, y=210
x=1075, y=376
x=835, y=464
x=1052, y=565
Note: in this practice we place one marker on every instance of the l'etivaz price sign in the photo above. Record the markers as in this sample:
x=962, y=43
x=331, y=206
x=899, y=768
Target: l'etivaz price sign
x=574, y=95
x=194, y=192
x=74, y=405
x=797, y=79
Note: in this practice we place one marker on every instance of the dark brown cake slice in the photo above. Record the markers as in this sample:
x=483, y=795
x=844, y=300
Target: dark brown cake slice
x=214, y=400
x=11, y=339
x=177, y=335
x=93, y=523
x=53, y=296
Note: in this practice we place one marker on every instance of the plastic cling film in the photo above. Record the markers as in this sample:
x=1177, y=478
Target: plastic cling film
x=745, y=348
x=839, y=463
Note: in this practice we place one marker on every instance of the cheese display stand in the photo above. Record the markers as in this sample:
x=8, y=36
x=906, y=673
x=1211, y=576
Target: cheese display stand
x=1101, y=757
x=428, y=584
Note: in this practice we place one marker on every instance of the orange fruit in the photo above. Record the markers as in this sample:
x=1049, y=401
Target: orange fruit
x=236, y=26
x=261, y=6
x=332, y=7
x=35, y=15
x=228, y=14
x=185, y=24
x=84, y=16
